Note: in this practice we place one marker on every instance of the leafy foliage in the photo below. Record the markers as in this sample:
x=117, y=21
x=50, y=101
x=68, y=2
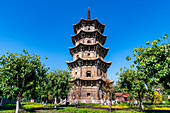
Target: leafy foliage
x=58, y=83
x=19, y=72
x=150, y=69
x=157, y=98
x=130, y=80
x=153, y=62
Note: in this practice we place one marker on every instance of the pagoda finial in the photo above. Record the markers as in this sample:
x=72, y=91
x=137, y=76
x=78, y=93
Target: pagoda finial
x=88, y=13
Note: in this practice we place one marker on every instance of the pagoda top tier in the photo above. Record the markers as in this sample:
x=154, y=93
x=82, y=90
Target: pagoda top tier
x=88, y=24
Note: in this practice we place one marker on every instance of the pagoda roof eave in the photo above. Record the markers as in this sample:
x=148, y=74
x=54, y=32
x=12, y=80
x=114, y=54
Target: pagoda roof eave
x=109, y=63
x=111, y=81
x=69, y=64
x=73, y=41
x=88, y=21
x=96, y=30
x=93, y=78
x=89, y=45
x=87, y=78
x=107, y=49
x=102, y=43
x=105, y=36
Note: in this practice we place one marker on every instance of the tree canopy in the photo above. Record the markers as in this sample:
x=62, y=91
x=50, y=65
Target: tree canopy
x=153, y=62
x=58, y=83
x=151, y=68
x=25, y=75
x=18, y=73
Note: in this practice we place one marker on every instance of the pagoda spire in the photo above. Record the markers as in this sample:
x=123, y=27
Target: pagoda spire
x=88, y=13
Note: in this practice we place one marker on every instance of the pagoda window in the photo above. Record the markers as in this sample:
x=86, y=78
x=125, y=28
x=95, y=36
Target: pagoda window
x=88, y=74
x=88, y=54
x=88, y=94
x=88, y=41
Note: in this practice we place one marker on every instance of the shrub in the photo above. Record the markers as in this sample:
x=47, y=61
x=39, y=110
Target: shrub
x=89, y=104
x=157, y=98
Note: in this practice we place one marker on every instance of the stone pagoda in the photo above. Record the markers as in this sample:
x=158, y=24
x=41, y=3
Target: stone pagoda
x=88, y=68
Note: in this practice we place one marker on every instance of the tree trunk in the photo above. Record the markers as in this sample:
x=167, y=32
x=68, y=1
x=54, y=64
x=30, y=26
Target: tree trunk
x=55, y=101
x=17, y=105
x=41, y=99
x=110, y=106
x=78, y=96
x=152, y=99
x=140, y=101
x=1, y=100
x=141, y=104
x=111, y=103
x=66, y=100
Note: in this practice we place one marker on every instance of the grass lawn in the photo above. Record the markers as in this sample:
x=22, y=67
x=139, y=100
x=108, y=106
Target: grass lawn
x=29, y=107
x=66, y=110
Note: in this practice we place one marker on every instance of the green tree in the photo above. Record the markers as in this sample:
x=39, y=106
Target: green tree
x=58, y=84
x=18, y=73
x=130, y=80
x=109, y=89
x=152, y=68
x=38, y=89
x=41, y=87
x=153, y=61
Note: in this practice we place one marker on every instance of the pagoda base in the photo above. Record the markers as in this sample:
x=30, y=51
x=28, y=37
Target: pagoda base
x=86, y=94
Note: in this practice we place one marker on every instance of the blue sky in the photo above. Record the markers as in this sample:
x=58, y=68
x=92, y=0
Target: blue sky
x=45, y=27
